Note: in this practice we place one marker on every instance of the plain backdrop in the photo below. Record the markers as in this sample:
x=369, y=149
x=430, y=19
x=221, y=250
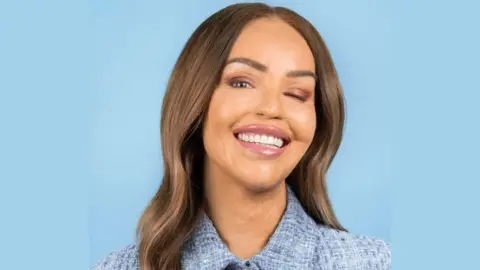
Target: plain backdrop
x=81, y=85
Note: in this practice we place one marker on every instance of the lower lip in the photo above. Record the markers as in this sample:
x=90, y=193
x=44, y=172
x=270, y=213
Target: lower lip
x=262, y=150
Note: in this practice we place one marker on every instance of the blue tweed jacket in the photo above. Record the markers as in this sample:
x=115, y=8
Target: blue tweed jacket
x=297, y=243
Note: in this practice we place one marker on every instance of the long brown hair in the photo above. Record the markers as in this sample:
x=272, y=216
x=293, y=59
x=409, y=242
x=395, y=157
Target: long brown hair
x=171, y=215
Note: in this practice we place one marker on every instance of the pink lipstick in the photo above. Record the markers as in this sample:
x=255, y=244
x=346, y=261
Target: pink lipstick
x=264, y=140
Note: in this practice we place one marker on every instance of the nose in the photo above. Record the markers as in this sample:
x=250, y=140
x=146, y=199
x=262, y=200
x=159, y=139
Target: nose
x=270, y=105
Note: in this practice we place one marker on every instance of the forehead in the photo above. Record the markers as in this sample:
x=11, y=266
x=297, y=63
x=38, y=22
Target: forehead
x=275, y=44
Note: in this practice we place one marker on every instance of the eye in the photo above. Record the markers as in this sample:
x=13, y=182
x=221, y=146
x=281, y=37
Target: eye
x=298, y=97
x=239, y=83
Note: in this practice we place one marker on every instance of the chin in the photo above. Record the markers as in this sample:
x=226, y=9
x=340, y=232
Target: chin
x=264, y=186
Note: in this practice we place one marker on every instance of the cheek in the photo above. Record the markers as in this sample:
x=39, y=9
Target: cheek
x=225, y=109
x=305, y=123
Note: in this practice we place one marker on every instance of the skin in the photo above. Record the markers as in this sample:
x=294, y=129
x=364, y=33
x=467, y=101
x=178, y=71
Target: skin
x=246, y=192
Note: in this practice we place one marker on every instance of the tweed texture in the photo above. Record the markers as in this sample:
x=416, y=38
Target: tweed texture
x=297, y=243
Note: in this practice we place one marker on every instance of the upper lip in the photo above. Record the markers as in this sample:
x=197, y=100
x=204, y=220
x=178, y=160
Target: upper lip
x=264, y=130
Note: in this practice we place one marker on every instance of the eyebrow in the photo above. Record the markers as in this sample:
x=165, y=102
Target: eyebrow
x=261, y=67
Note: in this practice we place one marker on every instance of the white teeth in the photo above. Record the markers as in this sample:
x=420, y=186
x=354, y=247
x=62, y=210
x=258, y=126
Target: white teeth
x=261, y=139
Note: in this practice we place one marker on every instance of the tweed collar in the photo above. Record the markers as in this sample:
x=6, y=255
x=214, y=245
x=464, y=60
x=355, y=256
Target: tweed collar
x=286, y=248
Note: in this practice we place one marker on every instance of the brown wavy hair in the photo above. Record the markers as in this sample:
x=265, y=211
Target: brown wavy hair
x=171, y=215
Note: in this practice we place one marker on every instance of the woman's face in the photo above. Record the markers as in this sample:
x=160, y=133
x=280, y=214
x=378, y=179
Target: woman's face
x=261, y=118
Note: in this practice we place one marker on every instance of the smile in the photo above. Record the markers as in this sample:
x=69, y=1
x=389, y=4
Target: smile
x=263, y=140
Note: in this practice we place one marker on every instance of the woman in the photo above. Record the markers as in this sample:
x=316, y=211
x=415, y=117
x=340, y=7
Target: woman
x=251, y=120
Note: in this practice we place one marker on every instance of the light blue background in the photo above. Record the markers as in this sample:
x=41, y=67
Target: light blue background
x=81, y=85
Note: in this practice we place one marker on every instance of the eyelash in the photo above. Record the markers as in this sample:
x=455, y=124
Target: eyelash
x=302, y=99
x=234, y=83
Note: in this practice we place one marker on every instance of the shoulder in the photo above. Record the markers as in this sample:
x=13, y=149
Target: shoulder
x=350, y=251
x=123, y=259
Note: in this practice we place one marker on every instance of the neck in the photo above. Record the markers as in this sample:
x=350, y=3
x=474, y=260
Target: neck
x=245, y=220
